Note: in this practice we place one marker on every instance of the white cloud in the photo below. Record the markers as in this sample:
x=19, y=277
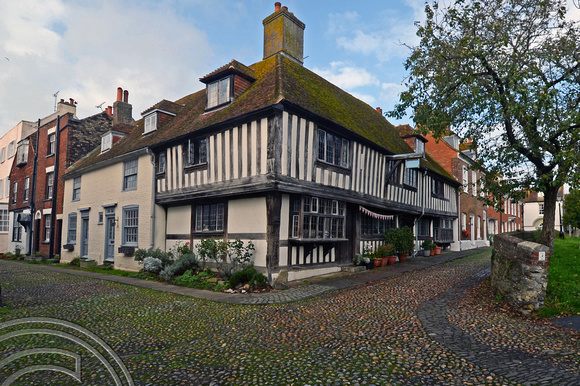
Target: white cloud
x=86, y=51
x=347, y=76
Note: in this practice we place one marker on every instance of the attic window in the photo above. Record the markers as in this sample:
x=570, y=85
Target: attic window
x=22, y=152
x=419, y=146
x=150, y=123
x=218, y=93
x=106, y=141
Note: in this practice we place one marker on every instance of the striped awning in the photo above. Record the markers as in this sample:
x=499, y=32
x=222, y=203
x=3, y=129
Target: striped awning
x=375, y=215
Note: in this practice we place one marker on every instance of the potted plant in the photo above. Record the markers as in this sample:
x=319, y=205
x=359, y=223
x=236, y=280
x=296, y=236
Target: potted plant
x=465, y=234
x=427, y=245
x=362, y=260
x=437, y=249
x=402, y=239
x=387, y=253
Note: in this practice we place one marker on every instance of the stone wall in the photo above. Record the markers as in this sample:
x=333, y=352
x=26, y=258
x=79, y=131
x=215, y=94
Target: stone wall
x=519, y=270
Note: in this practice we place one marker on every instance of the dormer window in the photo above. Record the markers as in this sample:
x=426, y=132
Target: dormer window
x=106, y=141
x=150, y=123
x=218, y=93
x=419, y=146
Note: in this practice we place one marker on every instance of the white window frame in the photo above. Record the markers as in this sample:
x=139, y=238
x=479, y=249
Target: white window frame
x=14, y=192
x=3, y=155
x=51, y=144
x=130, y=170
x=465, y=180
x=76, y=192
x=150, y=124
x=474, y=183
x=26, y=189
x=49, y=185
x=218, y=92
x=131, y=223
x=5, y=221
x=106, y=141
x=72, y=229
x=47, y=227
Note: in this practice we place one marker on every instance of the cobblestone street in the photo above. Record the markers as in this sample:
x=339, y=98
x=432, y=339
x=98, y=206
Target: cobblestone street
x=436, y=325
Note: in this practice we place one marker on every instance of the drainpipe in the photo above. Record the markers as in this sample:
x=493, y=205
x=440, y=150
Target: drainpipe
x=33, y=191
x=54, y=190
x=153, y=195
x=422, y=212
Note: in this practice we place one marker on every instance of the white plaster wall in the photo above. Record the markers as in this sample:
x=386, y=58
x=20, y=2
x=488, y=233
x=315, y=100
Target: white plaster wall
x=179, y=220
x=105, y=187
x=247, y=215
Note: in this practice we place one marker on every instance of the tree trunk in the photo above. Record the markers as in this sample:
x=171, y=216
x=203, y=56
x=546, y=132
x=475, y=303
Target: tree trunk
x=550, y=196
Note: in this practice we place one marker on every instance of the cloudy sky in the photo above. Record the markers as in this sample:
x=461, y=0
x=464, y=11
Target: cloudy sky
x=158, y=49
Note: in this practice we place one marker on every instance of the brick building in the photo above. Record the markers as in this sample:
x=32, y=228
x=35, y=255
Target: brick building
x=36, y=184
x=478, y=222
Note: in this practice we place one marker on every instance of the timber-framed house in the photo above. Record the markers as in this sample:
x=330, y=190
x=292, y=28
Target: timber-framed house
x=276, y=154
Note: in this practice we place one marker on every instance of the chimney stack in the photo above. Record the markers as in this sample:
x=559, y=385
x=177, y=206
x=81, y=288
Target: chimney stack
x=122, y=110
x=379, y=110
x=284, y=34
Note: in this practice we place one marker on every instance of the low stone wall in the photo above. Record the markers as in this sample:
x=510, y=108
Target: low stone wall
x=519, y=270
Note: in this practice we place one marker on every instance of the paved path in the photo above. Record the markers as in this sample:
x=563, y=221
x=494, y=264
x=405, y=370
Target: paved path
x=300, y=290
x=425, y=322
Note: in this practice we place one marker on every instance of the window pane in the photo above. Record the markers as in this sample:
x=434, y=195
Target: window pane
x=329, y=148
x=212, y=94
x=224, y=92
x=344, y=153
x=203, y=151
x=337, y=151
x=321, y=144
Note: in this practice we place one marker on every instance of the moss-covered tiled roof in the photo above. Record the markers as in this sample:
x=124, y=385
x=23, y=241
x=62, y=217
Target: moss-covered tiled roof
x=277, y=80
x=233, y=66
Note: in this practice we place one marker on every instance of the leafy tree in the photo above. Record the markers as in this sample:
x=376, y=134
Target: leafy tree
x=505, y=74
x=571, y=215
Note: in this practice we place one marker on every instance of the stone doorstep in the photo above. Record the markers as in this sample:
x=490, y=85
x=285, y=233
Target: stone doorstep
x=353, y=268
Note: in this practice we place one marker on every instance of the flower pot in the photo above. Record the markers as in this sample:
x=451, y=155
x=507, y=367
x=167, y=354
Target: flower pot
x=377, y=262
x=384, y=261
x=370, y=264
x=438, y=250
x=392, y=259
x=426, y=252
x=403, y=257
x=432, y=252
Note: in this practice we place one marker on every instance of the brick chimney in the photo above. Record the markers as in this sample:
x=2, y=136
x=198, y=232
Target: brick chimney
x=283, y=33
x=122, y=110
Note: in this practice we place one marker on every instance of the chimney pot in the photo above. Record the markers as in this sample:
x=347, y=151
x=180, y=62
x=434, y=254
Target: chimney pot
x=110, y=111
x=126, y=96
x=379, y=110
x=62, y=100
x=119, y=94
x=71, y=101
x=285, y=8
x=277, y=6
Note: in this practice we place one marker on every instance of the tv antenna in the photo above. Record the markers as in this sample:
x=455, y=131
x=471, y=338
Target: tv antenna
x=55, y=95
x=99, y=106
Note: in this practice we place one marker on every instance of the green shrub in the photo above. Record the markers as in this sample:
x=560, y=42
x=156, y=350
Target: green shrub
x=76, y=262
x=141, y=254
x=259, y=281
x=185, y=262
x=242, y=276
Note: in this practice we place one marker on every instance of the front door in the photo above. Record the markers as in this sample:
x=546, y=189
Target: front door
x=110, y=242
x=84, y=236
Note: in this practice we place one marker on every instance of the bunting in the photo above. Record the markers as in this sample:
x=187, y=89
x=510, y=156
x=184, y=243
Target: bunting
x=375, y=215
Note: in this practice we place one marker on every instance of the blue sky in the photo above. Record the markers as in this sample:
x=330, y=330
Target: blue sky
x=159, y=49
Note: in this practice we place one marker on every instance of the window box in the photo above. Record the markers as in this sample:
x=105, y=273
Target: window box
x=127, y=251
